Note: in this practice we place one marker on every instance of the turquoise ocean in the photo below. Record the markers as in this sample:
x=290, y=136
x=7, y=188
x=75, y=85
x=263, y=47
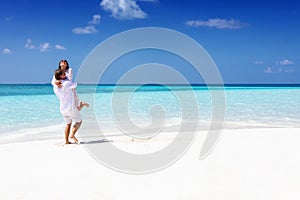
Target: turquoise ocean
x=32, y=111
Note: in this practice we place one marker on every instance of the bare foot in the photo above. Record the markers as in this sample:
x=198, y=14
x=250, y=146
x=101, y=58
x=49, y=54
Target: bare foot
x=68, y=142
x=83, y=104
x=74, y=139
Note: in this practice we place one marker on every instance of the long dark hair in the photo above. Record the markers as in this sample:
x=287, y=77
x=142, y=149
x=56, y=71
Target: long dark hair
x=63, y=61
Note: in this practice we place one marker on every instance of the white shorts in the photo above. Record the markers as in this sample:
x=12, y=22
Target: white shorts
x=76, y=117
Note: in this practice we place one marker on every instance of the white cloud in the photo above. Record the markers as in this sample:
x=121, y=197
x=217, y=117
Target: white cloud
x=90, y=28
x=29, y=44
x=86, y=30
x=280, y=67
x=7, y=51
x=60, y=47
x=45, y=47
x=123, y=9
x=259, y=62
x=95, y=20
x=268, y=70
x=289, y=70
x=217, y=23
x=286, y=62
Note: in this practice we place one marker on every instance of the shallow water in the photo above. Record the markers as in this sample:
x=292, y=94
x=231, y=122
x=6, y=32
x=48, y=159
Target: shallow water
x=25, y=107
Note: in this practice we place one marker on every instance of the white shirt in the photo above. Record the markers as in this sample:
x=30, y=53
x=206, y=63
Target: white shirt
x=66, y=97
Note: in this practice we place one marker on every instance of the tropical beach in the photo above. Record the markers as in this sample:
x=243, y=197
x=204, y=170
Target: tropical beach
x=149, y=99
x=252, y=159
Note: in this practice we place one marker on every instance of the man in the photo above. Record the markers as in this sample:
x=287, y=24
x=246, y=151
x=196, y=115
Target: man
x=68, y=107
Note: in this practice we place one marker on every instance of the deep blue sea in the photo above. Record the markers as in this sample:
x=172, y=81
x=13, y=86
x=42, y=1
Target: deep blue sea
x=35, y=109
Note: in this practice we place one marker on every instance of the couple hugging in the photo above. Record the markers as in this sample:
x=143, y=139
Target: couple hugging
x=65, y=90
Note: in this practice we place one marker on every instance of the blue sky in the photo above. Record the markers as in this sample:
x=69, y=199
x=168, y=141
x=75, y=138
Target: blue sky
x=250, y=41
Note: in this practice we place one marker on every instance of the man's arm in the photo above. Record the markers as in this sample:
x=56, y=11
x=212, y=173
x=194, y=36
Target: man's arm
x=56, y=83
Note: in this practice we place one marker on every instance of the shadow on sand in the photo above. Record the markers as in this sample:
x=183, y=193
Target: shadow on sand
x=96, y=141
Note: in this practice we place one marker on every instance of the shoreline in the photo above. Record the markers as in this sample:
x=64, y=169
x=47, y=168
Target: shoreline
x=246, y=164
x=55, y=131
x=192, y=84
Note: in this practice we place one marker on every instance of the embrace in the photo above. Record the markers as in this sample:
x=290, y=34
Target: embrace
x=65, y=90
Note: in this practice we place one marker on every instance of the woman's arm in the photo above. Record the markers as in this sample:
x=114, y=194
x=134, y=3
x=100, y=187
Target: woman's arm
x=69, y=74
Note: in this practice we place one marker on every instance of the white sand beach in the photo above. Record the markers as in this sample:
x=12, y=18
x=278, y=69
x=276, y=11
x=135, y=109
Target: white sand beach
x=246, y=164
